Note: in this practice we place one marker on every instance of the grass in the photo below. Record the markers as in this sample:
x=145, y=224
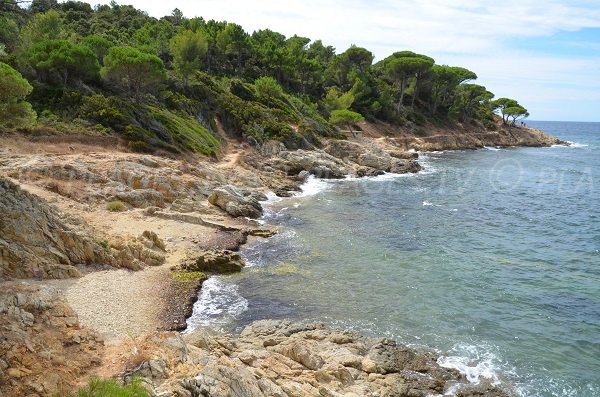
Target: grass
x=187, y=131
x=111, y=388
x=104, y=244
x=116, y=206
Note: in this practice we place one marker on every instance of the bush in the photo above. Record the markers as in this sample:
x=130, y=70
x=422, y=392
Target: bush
x=111, y=388
x=267, y=87
x=116, y=206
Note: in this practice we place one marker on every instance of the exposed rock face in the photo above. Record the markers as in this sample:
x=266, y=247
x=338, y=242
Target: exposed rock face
x=36, y=240
x=372, y=159
x=280, y=358
x=215, y=261
x=43, y=351
x=233, y=201
x=142, y=198
x=316, y=162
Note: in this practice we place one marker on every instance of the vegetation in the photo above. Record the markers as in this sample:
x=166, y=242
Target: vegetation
x=14, y=111
x=111, y=388
x=189, y=277
x=116, y=206
x=162, y=84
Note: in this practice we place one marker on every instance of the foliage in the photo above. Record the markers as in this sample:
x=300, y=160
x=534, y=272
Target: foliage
x=166, y=83
x=41, y=27
x=116, y=206
x=267, y=87
x=134, y=71
x=98, y=44
x=63, y=59
x=14, y=111
x=344, y=116
x=188, y=49
x=515, y=112
x=111, y=388
x=335, y=100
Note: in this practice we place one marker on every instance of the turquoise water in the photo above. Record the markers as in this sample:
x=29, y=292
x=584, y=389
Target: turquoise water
x=491, y=256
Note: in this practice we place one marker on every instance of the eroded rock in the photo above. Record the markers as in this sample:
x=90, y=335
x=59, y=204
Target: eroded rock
x=215, y=261
x=233, y=201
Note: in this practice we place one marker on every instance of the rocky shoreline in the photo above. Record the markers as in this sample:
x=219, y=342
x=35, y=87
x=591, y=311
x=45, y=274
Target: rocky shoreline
x=103, y=251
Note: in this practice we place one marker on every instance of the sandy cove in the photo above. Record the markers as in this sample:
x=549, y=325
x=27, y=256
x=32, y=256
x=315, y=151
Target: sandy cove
x=114, y=279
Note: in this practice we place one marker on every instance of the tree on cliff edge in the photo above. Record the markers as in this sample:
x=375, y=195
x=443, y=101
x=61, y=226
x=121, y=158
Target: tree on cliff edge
x=345, y=117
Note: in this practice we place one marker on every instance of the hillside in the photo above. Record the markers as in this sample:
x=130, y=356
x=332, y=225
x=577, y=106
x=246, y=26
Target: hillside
x=173, y=85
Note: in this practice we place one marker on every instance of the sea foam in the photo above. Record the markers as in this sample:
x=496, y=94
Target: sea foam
x=219, y=304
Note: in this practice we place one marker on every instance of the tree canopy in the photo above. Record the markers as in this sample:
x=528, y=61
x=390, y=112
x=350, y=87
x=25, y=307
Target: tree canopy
x=14, y=111
x=117, y=67
x=136, y=71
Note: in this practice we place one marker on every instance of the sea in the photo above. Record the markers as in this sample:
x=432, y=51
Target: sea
x=490, y=256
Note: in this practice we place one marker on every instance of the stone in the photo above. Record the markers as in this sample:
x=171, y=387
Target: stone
x=142, y=198
x=215, y=261
x=315, y=162
x=233, y=201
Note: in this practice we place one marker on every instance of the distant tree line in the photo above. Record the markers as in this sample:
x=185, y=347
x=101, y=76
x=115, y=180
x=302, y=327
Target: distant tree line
x=50, y=49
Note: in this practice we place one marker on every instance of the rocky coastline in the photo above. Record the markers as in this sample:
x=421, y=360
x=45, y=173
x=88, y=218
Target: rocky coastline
x=103, y=252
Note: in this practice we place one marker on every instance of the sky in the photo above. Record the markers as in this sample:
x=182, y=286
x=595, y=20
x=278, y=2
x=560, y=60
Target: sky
x=545, y=54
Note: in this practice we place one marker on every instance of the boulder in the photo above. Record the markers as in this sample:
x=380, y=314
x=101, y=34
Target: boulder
x=215, y=261
x=405, y=167
x=233, y=201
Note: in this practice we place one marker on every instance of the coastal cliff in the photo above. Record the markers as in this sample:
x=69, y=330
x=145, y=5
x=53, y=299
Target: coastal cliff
x=104, y=250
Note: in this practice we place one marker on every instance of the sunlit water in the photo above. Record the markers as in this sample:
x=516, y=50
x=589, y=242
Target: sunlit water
x=491, y=256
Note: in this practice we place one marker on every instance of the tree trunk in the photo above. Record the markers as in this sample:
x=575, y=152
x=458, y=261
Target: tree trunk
x=415, y=93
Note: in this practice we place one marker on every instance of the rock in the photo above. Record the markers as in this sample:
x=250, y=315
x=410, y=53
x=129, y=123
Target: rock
x=271, y=148
x=36, y=240
x=405, y=155
x=316, y=162
x=151, y=240
x=232, y=200
x=215, y=262
x=367, y=171
x=142, y=198
x=258, y=196
x=282, y=358
x=301, y=354
x=405, y=166
x=377, y=160
x=346, y=150
x=42, y=346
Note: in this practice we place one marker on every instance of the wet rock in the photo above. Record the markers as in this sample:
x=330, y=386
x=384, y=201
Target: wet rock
x=282, y=358
x=233, y=201
x=405, y=166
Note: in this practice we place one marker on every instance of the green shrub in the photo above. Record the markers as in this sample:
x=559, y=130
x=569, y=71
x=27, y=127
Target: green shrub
x=111, y=388
x=116, y=206
x=104, y=244
x=267, y=87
